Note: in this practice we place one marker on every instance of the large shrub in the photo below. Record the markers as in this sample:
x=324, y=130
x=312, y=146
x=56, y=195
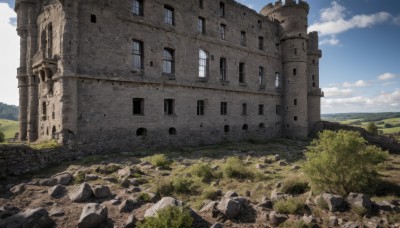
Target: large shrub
x=159, y=160
x=235, y=168
x=372, y=128
x=169, y=217
x=2, y=136
x=341, y=162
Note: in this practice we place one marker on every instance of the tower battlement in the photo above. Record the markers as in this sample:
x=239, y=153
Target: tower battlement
x=271, y=7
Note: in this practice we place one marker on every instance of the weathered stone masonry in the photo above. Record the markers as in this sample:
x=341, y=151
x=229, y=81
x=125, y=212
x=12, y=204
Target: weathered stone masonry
x=142, y=73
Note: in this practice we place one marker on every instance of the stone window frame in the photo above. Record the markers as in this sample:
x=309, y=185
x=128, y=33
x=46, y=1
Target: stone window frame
x=169, y=15
x=201, y=107
x=138, y=7
x=224, y=108
x=261, y=77
x=168, y=67
x=242, y=72
x=204, y=64
x=223, y=68
x=138, y=106
x=222, y=9
x=137, y=55
x=169, y=107
x=244, y=109
x=222, y=31
x=243, y=40
x=261, y=109
x=261, y=43
x=201, y=25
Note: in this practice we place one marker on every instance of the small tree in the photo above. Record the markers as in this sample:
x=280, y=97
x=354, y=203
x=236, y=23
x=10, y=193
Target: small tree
x=341, y=162
x=2, y=136
x=372, y=128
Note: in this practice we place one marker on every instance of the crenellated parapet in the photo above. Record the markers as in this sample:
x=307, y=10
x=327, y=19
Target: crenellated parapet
x=271, y=7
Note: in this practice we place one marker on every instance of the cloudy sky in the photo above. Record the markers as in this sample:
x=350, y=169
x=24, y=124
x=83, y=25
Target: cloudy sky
x=359, y=71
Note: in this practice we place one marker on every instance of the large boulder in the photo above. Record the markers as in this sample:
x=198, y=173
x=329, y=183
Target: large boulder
x=32, y=218
x=128, y=205
x=335, y=202
x=57, y=191
x=230, y=194
x=359, y=200
x=63, y=178
x=229, y=207
x=276, y=219
x=18, y=189
x=48, y=182
x=210, y=209
x=93, y=215
x=164, y=202
x=82, y=193
x=131, y=222
x=101, y=191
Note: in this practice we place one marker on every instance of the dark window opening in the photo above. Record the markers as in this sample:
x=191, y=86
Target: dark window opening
x=261, y=76
x=141, y=132
x=169, y=106
x=295, y=118
x=313, y=77
x=93, y=18
x=244, y=109
x=313, y=61
x=227, y=129
x=261, y=126
x=44, y=111
x=313, y=84
x=201, y=25
x=222, y=67
x=260, y=43
x=224, y=108
x=201, y=4
x=276, y=48
x=172, y=131
x=294, y=71
x=138, y=106
x=295, y=101
x=243, y=38
x=245, y=127
x=200, y=107
x=222, y=9
x=222, y=29
x=242, y=72
x=278, y=110
x=260, y=109
x=53, y=132
x=259, y=24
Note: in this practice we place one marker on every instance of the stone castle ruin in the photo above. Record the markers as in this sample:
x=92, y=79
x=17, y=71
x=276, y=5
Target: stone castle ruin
x=165, y=72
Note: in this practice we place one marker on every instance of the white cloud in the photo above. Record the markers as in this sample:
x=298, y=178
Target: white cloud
x=330, y=41
x=333, y=20
x=337, y=92
x=9, y=56
x=359, y=83
x=386, y=76
x=396, y=20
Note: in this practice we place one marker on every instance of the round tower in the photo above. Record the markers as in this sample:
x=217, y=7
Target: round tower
x=292, y=19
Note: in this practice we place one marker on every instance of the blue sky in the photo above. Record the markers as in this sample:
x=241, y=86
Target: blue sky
x=359, y=70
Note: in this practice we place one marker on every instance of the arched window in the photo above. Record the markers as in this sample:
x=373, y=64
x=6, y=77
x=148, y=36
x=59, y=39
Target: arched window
x=245, y=127
x=141, y=132
x=172, y=131
x=203, y=64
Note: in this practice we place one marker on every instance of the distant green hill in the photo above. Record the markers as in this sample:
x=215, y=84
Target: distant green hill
x=9, y=128
x=9, y=112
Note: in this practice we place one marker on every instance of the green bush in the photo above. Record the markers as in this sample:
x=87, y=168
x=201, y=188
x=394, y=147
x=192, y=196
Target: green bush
x=144, y=197
x=205, y=172
x=235, y=168
x=210, y=193
x=2, y=137
x=182, y=184
x=169, y=217
x=159, y=160
x=79, y=178
x=295, y=186
x=372, y=128
x=289, y=206
x=341, y=162
x=164, y=187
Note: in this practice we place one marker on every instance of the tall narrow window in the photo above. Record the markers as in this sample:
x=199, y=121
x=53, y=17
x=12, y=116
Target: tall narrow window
x=50, y=41
x=169, y=15
x=244, y=109
x=222, y=9
x=201, y=25
x=224, y=108
x=137, y=7
x=222, y=67
x=137, y=54
x=278, y=110
x=44, y=109
x=259, y=25
x=277, y=80
x=242, y=72
x=200, y=107
x=276, y=48
x=294, y=71
x=169, y=106
x=313, y=77
x=222, y=29
x=260, y=43
x=168, y=61
x=243, y=38
x=138, y=106
x=295, y=51
x=261, y=76
x=201, y=4
x=260, y=109
x=295, y=101
x=203, y=64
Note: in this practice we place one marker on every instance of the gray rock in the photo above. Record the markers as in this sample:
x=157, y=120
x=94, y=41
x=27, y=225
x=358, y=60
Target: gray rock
x=385, y=206
x=48, y=182
x=276, y=195
x=295, y=167
x=229, y=207
x=282, y=163
x=57, y=191
x=359, y=200
x=308, y=220
x=32, y=218
x=351, y=224
x=164, y=202
x=128, y=205
x=276, y=219
x=18, y=189
x=260, y=166
x=111, y=179
x=101, y=191
x=277, y=157
x=210, y=209
x=335, y=202
x=56, y=212
x=133, y=189
x=333, y=221
x=230, y=194
x=63, y=178
x=130, y=222
x=93, y=215
x=82, y=193
x=91, y=177
x=134, y=182
x=266, y=204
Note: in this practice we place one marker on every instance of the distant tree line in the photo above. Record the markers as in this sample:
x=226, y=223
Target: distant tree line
x=361, y=117
x=9, y=112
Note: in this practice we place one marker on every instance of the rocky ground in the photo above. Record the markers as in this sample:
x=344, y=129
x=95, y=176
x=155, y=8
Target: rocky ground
x=262, y=186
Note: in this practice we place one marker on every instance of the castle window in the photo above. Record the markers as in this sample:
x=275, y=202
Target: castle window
x=260, y=109
x=245, y=127
x=201, y=4
x=53, y=132
x=93, y=18
x=260, y=43
x=278, y=110
x=203, y=64
x=141, y=132
x=276, y=48
x=138, y=106
x=222, y=67
x=313, y=61
x=44, y=111
x=222, y=29
x=242, y=72
x=313, y=84
x=294, y=71
x=169, y=107
x=295, y=51
x=261, y=126
x=222, y=9
x=200, y=107
x=172, y=131
x=137, y=54
x=53, y=113
x=201, y=25
x=295, y=118
x=261, y=76
x=295, y=101
x=227, y=129
x=259, y=24
x=168, y=61
x=243, y=38
x=313, y=77
x=277, y=80
x=244, y=109
x=169, y=15
x=224, y=108
x=50, y=41
x=137, y=7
